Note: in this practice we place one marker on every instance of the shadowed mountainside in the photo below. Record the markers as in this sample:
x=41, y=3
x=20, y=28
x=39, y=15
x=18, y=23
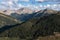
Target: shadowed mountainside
x=27, y=16
x=34, y=28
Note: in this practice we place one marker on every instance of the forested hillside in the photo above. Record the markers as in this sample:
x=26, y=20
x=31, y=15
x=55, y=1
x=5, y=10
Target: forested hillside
x=34, y=28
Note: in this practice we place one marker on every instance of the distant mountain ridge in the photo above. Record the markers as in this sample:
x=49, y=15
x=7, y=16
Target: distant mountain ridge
x=27, y=16
x=19, y=11
x=24, y=10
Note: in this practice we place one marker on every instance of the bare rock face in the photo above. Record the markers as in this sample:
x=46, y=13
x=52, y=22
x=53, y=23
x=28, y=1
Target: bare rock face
x=19, y=11
x=24, y=10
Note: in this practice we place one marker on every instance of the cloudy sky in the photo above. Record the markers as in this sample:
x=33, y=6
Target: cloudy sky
x=33, y=4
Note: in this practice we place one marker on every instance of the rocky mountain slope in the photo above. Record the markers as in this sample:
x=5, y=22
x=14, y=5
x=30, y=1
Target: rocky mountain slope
x=26, y=16
x=34, y=27
x=24, y=10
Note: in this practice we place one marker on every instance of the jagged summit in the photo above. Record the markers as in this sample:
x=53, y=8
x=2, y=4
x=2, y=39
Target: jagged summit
x=24, y=10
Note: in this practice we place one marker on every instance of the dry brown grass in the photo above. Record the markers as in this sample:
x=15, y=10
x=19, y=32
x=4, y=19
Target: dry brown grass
x=49, y=38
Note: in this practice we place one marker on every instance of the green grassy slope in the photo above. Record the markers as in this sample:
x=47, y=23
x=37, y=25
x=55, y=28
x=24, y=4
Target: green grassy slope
x=7, y=20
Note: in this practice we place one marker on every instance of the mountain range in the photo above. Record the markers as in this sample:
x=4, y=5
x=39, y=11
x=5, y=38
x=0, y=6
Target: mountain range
x=19, y=11
x=37, y=24
x=26, y=15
